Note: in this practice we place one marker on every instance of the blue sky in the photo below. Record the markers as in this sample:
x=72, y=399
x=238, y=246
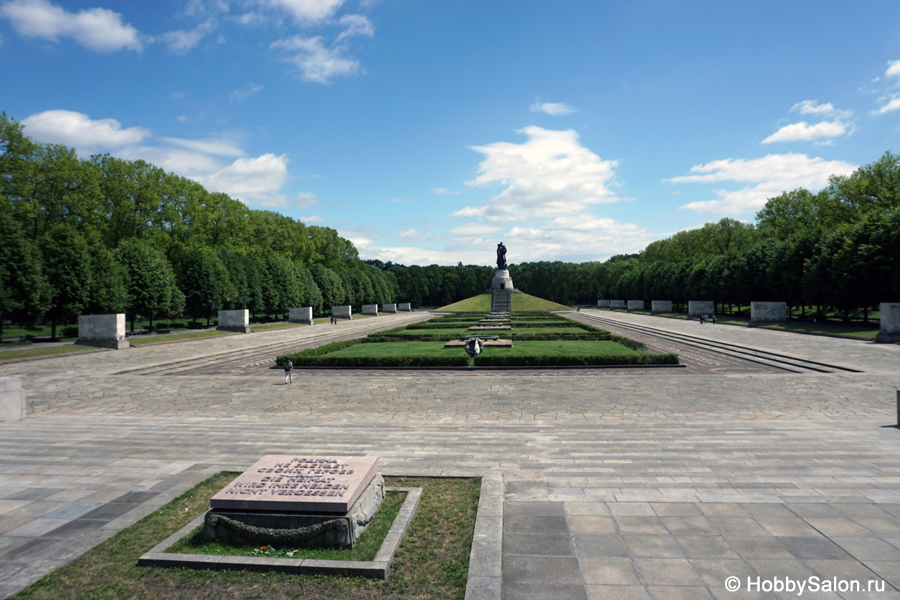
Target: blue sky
x=426, y=131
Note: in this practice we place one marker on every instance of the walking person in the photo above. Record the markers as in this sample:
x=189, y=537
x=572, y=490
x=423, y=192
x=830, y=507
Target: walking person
x=288, y=371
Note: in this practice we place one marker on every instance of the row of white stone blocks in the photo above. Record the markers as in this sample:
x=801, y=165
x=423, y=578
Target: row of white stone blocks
x=760, y=313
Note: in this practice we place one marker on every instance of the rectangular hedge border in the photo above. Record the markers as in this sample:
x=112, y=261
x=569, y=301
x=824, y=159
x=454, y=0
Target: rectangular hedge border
x=583, y=360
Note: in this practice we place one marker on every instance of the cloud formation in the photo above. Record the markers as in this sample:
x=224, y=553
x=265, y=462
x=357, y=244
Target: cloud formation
x=314, y=61
x=556, y=109
x=252, y=180
x=765, y=177
x=306, y=11
x=245, y=92
x=805, y=132
x=548, y=175
x=97, y=29
x=80, y=131
x=181, y=42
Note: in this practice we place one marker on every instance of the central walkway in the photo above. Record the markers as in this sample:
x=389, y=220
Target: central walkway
x=616, y=483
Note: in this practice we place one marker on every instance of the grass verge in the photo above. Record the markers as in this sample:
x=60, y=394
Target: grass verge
x=178, y=337
x=49, y=351
x=432, y=561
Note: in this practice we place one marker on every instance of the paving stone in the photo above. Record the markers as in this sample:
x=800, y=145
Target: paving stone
x=536, y=591
x=608, y=571
x=667, y=571
x=652, y=546
x=549, y=545
x=616, y=592
x=541, y=569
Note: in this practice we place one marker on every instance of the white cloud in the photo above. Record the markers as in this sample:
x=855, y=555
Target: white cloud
x=306, y=199
x=555, y=109
x=548, y=175
x=445, y=191
x=251, y=19
x=355, y=25
x=184, y=162
x=803, y=131
x=211, y=146
x=893, y=69
x=414, y=235
x=181, y=42
x=767, y=177
x=245, y=92
x=476, y=229
x=307, y=11
x=892, y=105
x=812, y=107
x=80, y=131
x=255, y=181
x=314, y=61
x=98, y=29
x=312, y=219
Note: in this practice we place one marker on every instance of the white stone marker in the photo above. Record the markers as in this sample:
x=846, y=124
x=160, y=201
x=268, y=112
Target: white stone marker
x=370, y=309
x=342, y=312
x=617, y=304
x=635, y=305
x=389, y=308
x=301, y=315
x=234, y=320
x=103, y=331
x=890, y=323
x=404, y=306
x=767, y=312
x=697, y=308
x=660, y=306
x=602, y=303
x=12, y=399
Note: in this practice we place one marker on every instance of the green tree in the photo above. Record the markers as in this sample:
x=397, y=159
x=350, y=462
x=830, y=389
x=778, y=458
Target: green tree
x=150, y=282
x=206, y=284
x=67, y=265
x=24, y=292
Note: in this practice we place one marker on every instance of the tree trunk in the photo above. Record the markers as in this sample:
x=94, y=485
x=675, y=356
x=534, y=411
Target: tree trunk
x=865, y=318
x=52, y=329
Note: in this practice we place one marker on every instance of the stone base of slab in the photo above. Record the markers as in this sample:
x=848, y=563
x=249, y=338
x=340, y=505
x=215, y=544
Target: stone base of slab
x=113, y=343
x=300, y=530
x=238, y=329
x=760, y=323
x=487, y=343
x=887, y=337
x=379, y=568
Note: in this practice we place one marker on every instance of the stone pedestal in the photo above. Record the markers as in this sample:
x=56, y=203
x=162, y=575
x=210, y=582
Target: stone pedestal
x=635, y=305
x=660, y=306
x=301, y=315
x=617, y=304
x=102, y=331
x=234, y=320
x=697, y=308
x=370, y=309
x=405, y=307
x=890, y=323
x=502, y=280
x=389, y=308
x=763, y=313
x=12, y=399
x=342, y=312
x=602, y=303
x=307, y=502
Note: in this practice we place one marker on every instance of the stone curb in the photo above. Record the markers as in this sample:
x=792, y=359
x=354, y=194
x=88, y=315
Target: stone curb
x=379, y=568
x=485, y=577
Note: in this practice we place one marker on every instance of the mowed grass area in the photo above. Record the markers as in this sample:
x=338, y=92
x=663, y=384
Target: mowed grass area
x=380, y=349
x=432, y=561
x=480, y=303
x=520, y=302
x=564, y=348
x=42, y=352
x=863, y=333
x=175, y=337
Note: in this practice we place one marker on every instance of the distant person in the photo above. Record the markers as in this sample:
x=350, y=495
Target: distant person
x=714, y=319
x=288, y=371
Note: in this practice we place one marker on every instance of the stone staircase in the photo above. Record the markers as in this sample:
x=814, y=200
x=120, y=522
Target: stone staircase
x=501, y=301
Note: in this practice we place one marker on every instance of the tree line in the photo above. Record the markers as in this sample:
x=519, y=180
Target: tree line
x=106, y=235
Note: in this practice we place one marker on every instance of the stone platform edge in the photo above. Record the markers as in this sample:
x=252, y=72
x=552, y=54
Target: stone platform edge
x=379, y=568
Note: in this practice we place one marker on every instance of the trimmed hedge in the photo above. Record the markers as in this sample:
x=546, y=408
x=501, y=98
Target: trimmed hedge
x=433, y=325
x=314, y=352
x=385, y=361
x=483, y=360
x=524, y=336
x=630, y=343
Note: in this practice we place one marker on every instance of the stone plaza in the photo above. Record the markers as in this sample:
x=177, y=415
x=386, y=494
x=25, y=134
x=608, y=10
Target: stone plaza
x=609, y=483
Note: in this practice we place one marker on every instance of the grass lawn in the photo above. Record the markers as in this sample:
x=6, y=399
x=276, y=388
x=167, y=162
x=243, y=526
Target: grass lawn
x=863, y=333
x=273, y=326
x=49, y=351
x=522, y=302
x=177, y=337
x=563, y=348
x=450, y=333
x=480, y=303
x=432, y=561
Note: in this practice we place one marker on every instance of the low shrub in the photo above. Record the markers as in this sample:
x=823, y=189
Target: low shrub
x=385, y=361
x=628, y=342
x=298, y=358
x=483, y=360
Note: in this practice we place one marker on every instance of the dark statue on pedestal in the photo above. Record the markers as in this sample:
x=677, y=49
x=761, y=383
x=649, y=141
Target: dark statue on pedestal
x=501, y=256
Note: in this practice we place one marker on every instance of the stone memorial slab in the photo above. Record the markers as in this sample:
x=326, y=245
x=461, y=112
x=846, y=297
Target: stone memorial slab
x=389, y=308
x=602, y=303
x=889, y=331
x=234, y=320
x=342, y=312
x=370, y=309
x=635, y=305
x=617, y=304
x=404, y=306
x=286, y=483
x=660, y=306
x=698, y=308
x=12, y=399
x=102, y=331
x=302, y=315
x=767, y=312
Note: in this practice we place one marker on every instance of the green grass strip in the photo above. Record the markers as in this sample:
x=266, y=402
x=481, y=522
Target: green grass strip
x=49, y=351
x=178, y=337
